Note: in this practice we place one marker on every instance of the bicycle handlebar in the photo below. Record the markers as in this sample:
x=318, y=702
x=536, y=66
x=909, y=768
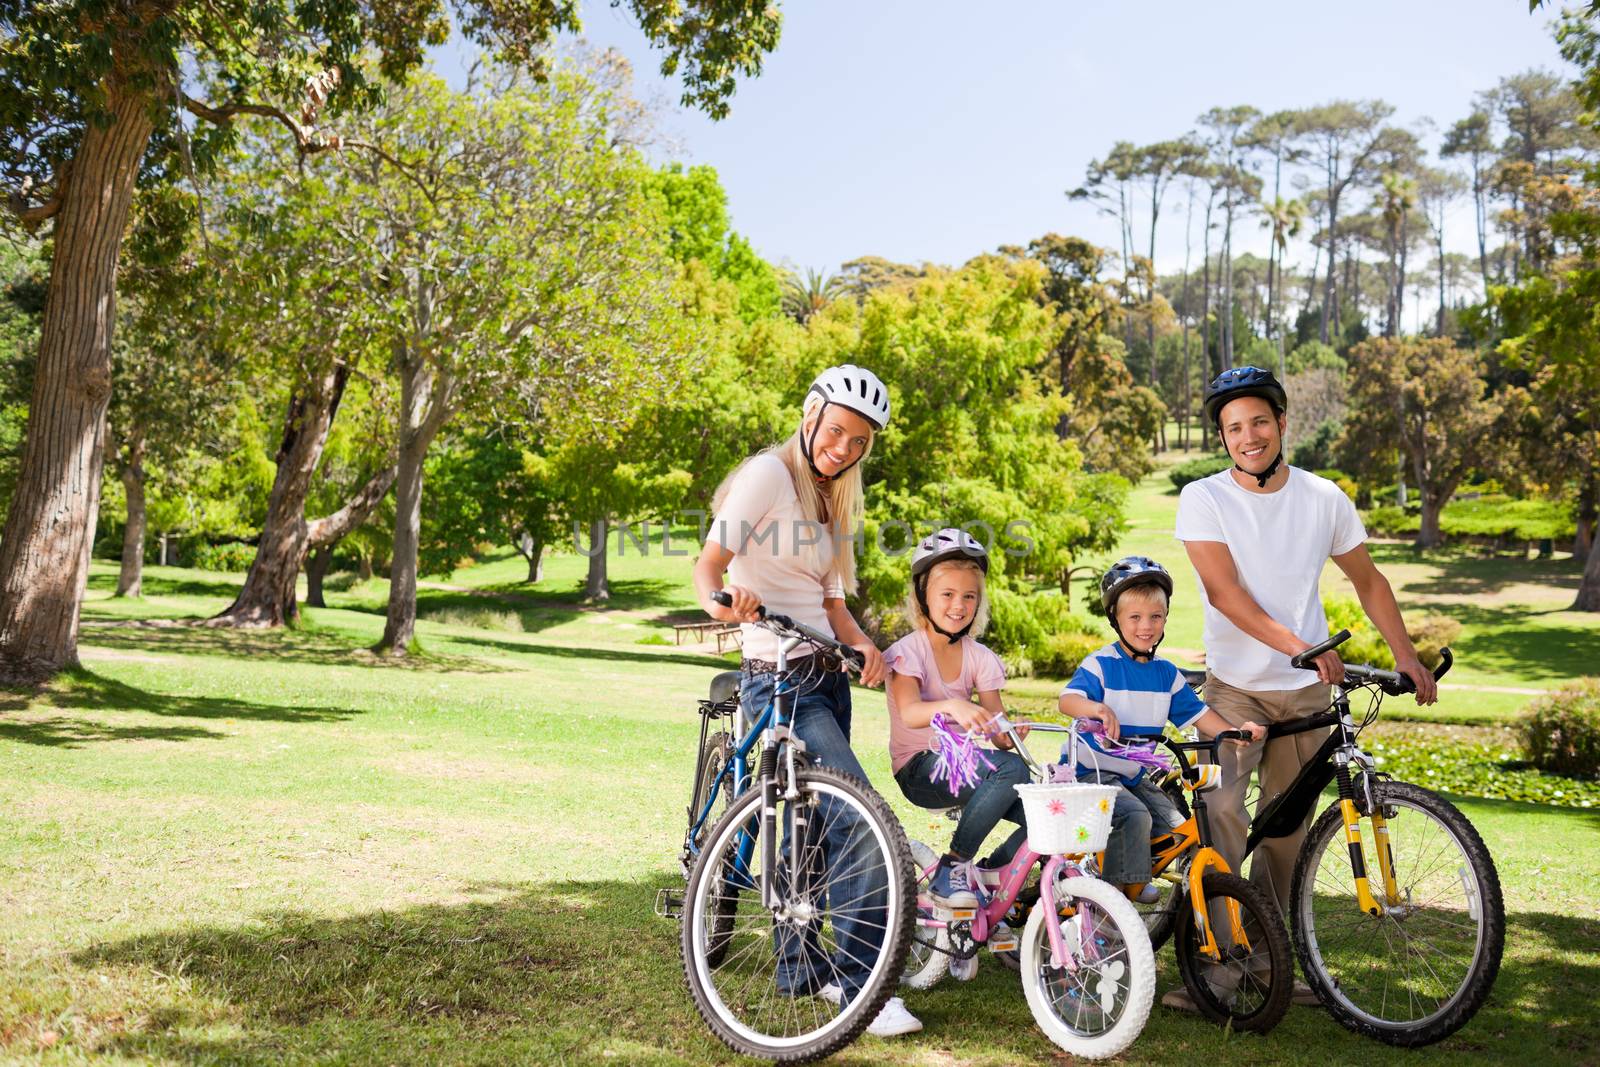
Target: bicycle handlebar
x=1302, y=660
x=779, y=623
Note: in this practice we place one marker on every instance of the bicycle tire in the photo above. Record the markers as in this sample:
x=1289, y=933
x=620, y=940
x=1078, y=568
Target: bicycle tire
x=737, y=992
x=1343, y=981
x=1235, y=994
x=714, y=756
x=927, y=956
x=1054, y=993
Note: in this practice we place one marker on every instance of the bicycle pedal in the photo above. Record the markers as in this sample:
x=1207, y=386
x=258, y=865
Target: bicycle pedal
x=957, y=914
x=1003, y=944
x=669, y=903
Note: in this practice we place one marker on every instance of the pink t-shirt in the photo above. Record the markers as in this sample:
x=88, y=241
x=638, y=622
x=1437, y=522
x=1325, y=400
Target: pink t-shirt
x=778, y=554
x=912, y=656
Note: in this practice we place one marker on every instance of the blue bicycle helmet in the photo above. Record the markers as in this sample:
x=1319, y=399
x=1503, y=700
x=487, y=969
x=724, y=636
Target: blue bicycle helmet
x=1124, y=575
x=1235, y=382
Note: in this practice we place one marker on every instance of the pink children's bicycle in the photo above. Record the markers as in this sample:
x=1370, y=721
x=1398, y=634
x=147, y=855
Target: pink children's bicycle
x=1088, y=970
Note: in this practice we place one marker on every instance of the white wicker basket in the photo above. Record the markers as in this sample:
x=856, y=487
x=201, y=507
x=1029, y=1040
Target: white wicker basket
x=1067, y=817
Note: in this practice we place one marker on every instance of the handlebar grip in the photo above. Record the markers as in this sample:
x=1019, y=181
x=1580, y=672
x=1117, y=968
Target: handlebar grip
x=1231, y=735
x=1302, y=660
x=1445, y=661
x=722, y=597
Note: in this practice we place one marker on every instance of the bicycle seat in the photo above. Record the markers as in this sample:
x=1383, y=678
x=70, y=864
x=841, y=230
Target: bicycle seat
x=1194, y=679
x=725, y=686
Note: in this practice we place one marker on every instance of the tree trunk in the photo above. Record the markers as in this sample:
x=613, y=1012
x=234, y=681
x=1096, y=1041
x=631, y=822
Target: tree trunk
x=317, y=569
x=596, y=588
x=131, y=581
x=268, y=596
x=49, y=530
x=1429, y=535
x=364, y=568
x=426, y=397
x=533, y=552
x=1588, y=598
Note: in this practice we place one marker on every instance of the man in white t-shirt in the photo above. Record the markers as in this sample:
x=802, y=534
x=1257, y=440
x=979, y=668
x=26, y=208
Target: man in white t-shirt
x=1258, y=536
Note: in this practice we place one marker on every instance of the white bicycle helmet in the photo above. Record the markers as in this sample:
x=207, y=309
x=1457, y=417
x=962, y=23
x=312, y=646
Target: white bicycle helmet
x=851, y=387
x=855, y=388
x=949, y=543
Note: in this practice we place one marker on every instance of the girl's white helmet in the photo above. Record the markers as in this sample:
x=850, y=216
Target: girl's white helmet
x=855, y=388
x=949, y=543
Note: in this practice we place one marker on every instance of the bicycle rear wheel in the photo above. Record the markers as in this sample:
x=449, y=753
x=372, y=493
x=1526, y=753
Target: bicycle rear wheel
x=1415, y=974
x=843, y=919
x=1249, y=987
x=1097, y=1007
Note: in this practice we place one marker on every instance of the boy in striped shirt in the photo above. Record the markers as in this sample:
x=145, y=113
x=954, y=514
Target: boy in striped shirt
x=1134, y=694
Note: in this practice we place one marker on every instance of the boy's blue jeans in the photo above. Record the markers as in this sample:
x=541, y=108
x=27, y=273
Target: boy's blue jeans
x=983, y=804
x=1139, y=809
x=821, y=719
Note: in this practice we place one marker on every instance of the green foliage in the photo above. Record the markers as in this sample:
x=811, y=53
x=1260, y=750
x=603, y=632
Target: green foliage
x=1315, y=451
x=694, y=207
x=1346, y=484
x=1562, y=731
x=1490, y=515
x=233, y=558
x=1058, y=655
x=1476, y=765
x=1428, y=633
x=487, y=488
x=1013, y=628
x=1313, y=355
x=1195, y=469
x=1366, y=644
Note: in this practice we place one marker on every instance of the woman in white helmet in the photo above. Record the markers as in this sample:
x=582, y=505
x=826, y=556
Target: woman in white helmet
x=781, y=531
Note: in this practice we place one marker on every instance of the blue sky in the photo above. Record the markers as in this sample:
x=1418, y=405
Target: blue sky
x=937, y=130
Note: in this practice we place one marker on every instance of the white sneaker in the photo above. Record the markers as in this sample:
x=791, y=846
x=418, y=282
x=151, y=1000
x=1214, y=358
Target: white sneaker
x=892, y=1021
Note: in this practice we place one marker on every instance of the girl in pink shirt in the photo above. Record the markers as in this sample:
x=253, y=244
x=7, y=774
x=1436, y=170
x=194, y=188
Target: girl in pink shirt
x=937, y=669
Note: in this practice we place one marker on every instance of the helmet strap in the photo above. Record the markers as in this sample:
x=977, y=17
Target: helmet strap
x=1133, y=653
x=920, y=586
x=809, y=447
x=1265, y=476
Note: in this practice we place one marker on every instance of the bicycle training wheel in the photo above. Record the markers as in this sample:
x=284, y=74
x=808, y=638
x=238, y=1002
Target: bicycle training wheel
x=842, y=920
x=1415, y=974
x=1096, y=1007
x=928, y=955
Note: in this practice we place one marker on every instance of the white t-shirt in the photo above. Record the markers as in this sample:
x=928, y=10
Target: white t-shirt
x=1280, y=542
x=762, y=524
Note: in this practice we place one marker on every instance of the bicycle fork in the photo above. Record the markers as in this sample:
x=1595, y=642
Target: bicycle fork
x=1351, y=815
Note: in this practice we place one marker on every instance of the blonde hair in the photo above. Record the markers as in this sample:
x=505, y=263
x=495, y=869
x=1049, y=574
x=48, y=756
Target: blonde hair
x=980, y=618
x=842, y=500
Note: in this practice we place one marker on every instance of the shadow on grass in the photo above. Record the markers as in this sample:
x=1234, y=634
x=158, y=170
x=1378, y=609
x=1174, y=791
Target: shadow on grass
x=155, y=584
x=517, y=608
x=302, y=644
x=1462, y=572
x=692, y=659
x=85, y=691
x=577, y=971
x=1509, y=642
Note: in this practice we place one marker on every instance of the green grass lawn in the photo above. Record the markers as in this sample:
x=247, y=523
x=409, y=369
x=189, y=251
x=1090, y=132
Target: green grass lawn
x=270, y=847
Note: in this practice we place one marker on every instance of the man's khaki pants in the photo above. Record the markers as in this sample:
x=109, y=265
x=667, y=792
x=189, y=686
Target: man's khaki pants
x=1277, y=762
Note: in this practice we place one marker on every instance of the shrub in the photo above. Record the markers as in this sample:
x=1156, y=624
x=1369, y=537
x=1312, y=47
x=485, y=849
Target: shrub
x=1195, y=469
x=1430, y=634
x=233, y=557
x=1315, y=450
x=1058, y=655
x=1013, y=629
x=1054, y=615
x=1562, y=731
x=1313, y=355
x=1489, y=515
x=1366, y=644
x=1346, y=484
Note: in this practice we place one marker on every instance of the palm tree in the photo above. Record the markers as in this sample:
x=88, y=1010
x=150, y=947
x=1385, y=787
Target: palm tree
x=1284, y=218
x=804, y=297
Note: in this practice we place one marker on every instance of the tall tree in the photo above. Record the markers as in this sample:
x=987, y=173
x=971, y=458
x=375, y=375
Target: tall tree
x=1437, y=189
x=1239, y=186
x=1341, y=138
x=1471, y=138
x=517, y=262
x=1427, y=395
x=90, y=100
x=1159, y=165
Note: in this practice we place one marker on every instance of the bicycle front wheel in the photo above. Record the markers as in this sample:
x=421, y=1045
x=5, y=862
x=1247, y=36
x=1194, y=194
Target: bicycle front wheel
x=1250, y=982
x=1095, y=1007
x=838, y=930
x=1416, y=973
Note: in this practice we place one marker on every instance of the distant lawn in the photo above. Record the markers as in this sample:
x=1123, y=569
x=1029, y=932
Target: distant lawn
x=273, y=848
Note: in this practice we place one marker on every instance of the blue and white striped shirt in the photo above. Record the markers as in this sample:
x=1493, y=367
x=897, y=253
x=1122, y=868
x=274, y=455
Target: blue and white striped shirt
x=1145, y=697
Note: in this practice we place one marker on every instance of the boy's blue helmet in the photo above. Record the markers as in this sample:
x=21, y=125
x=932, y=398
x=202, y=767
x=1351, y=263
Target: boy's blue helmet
x=1124, y=574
